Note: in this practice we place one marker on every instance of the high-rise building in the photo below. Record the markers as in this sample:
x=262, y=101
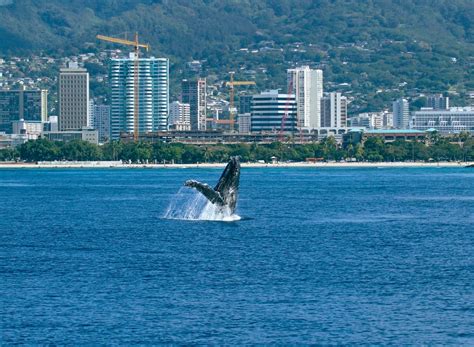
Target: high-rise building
x=437, y=102
x=180, y=116
x=334, y=111
x=100, y=120
x=27, y=105
x=401, y=114
x=194, y=93
x=73, y=98
x=272, y=111
x=245, y=104
x=153, y=92
x=307, y=85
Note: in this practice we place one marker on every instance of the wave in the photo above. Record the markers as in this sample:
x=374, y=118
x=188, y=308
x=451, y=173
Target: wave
x=188, y=204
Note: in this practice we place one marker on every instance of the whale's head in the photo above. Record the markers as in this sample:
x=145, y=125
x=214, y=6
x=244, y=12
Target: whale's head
x=228, y=184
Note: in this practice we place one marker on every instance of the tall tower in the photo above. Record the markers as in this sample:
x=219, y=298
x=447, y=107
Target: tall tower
x=73, y=98
x=194, y=93
x=307, y=85
x=401, y=114
x=153, y=89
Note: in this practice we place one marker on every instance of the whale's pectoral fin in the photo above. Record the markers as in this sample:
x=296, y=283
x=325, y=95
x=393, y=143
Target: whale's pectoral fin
x=207, y=191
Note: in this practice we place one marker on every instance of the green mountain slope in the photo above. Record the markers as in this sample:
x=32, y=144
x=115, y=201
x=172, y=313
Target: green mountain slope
x=367, y=46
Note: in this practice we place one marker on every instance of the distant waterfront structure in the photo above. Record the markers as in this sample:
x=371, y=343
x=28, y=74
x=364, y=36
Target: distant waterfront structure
x=180, y=116
x=363, y=120
x=245, y=104
x=355, y=136
x=269, y=109
x=32, y=129
x=73, y=98
x=100, y=120
x=373, y=120
x=244, y=121
x=401, y=114
x=27, y=105
x=86, y=134
x=52, y=124
x=194, y=93
x=153, y=86
x=452, y=121
x=387, y=120
x=12, y=140
x=334, y=111
x=437, y=102
x=307, y=85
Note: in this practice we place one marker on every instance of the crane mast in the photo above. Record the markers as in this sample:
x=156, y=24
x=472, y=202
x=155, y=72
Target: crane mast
x=232, y=84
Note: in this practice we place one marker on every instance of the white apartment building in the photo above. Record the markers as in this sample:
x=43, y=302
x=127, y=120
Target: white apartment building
x=180, y=116
x=373, y=120
x=307, y=86
x=401, y=114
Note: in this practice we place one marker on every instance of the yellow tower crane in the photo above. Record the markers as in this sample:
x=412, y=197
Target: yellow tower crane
x=137, y=45
x=232, y=84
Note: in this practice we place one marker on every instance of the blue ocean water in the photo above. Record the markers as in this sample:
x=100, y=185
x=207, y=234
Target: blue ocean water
x=352, y=256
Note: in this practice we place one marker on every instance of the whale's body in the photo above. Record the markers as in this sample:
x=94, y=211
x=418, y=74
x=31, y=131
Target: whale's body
x=225, y=193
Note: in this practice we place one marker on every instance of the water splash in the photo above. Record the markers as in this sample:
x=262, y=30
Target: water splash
x=189, y=204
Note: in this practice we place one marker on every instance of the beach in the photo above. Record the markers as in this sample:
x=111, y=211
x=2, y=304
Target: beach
x=120, y=165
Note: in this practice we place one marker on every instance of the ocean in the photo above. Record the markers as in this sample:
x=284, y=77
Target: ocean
x=319, y=256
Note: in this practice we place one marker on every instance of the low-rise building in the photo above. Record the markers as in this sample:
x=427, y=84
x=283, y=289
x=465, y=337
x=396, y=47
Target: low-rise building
x=452, y=121
x=12, y=140
x=86, y=134
x=32, y=130
x=355, y=136
x=437, y=102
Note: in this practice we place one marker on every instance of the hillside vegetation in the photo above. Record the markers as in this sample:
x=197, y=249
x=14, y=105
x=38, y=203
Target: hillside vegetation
x=393, y=46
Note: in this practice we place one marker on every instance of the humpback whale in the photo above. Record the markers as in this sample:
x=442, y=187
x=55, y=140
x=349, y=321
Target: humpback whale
x=225, y=193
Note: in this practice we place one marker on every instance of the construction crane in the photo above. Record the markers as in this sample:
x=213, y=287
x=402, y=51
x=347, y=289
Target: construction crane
x=137, y=45
x=232, y=84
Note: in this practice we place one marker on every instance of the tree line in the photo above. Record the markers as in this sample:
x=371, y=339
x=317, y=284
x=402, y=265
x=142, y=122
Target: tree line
x=435, y=148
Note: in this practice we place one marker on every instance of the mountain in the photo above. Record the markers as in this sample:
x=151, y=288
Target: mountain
x=376, y=48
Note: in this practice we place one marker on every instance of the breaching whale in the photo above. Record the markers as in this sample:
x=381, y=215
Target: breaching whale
x=225, y=193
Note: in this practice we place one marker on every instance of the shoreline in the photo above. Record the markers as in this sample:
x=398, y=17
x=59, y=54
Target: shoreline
x=119, y=165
